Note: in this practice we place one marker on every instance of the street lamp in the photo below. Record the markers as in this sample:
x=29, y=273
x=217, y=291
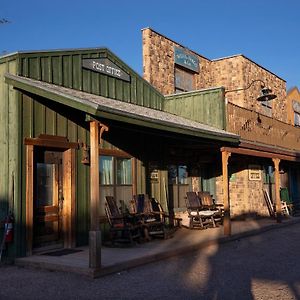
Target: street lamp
x=265, y=93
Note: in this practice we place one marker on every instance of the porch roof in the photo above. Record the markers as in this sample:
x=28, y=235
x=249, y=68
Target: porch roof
x=100, y=106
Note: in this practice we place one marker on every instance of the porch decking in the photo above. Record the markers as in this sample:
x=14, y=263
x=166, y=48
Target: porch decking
x=119, y=259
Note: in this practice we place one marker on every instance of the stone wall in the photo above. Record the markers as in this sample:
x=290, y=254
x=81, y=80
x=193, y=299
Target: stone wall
x=230, y=72
x=239, y=72
x=158, y=63
x=246, y=196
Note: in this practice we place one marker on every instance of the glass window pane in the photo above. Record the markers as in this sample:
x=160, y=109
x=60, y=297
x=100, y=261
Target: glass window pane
x=45, y=181
x=182, y=175
x=172, y=174
x=106, y=169
x=297, y=119
x=124, y=173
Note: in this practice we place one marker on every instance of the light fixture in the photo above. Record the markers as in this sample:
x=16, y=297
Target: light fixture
x=85, y=158
x=266, y=93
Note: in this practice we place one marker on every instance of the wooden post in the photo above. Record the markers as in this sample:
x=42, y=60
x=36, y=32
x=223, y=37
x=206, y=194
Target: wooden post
x=96, y=130
x=276, y=162
x=227, y=223
x=134, y=177
x=29, y=198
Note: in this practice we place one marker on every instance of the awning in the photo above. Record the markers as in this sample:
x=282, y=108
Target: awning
x=113, y=109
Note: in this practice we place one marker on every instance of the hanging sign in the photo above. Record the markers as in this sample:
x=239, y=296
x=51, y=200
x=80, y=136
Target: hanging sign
x=105, y=66
x=184, y=58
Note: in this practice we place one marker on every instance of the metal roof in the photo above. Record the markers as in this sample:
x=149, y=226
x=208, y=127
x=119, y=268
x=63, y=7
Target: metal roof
x=100, y=106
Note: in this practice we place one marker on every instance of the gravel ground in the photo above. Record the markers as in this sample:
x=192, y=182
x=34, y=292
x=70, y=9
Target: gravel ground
x=265, y=266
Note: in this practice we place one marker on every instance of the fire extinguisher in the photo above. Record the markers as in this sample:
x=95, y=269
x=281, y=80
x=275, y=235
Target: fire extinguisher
x=9, y=229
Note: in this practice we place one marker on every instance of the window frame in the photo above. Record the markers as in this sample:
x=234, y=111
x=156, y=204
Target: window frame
x=116, y=154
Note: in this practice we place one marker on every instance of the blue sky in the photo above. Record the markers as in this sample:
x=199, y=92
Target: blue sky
x=266, y=31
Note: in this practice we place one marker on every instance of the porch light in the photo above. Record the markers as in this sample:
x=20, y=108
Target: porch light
x=85, y=159
x=265, y=93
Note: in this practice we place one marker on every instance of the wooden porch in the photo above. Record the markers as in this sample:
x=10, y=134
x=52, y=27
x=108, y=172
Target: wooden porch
x=120, y=259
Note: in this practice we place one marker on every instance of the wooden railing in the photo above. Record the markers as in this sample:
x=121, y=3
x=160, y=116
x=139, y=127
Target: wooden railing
x=256, y=127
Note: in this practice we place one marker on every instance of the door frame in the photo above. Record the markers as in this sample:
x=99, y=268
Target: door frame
x=61, y=144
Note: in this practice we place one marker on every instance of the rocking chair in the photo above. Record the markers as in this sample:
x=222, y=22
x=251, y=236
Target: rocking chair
x=199, y=217
x=151, y=222
x=122, y=229
x=208, y=202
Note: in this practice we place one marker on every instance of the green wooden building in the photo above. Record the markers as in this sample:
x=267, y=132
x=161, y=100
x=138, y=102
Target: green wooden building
x=78, y=125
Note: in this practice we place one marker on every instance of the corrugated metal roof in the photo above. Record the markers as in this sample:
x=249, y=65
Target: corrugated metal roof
x=130, y=113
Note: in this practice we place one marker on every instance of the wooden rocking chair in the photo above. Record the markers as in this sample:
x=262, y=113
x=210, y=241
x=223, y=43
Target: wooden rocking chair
x=199, y=217
x=208, y=202
x=122, y=228
x=151, y=222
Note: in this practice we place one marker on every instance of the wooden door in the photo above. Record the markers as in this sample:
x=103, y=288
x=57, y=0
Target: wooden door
x=48, y=199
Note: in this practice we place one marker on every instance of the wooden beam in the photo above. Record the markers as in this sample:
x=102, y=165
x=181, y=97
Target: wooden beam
x=266, y=148
x=50, y=143
x=276, y=162
x=96, y=131
x=134, y=177
x=29, y=199
x=258, y=153
x=69, y=198
x=94, y=176
x=227, y=222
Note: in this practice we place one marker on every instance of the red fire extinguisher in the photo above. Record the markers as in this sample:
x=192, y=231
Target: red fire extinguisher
x=9, y=229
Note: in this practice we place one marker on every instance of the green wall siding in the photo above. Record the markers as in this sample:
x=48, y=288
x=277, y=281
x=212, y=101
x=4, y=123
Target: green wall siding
x=205, y=106
x=65, y=68
x=10, y=183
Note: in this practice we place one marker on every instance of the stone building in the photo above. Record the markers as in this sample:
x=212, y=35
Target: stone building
x=263, y=126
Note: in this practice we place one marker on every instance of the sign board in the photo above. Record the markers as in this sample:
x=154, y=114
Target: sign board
x=105, y=66
x=254, y=172
x=185, y=59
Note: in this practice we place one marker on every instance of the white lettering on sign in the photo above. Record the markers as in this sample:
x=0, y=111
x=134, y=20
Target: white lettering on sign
x=98, y=66
x=107, y=69
x=113, y=71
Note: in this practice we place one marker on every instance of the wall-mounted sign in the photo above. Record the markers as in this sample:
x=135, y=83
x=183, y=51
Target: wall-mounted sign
x=154, y=175
x=185, y=59
x=105, y=66
x=254, y=172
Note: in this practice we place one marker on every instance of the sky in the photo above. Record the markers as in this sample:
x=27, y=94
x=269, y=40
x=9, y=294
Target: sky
x=266, y=31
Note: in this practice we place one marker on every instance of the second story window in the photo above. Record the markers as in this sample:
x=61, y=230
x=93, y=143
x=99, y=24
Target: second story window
x=184, y=81
x=267, y=108
x=296, y=119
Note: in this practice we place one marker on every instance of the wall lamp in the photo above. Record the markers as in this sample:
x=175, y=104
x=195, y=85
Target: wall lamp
x=265, y=93
x=85, y=158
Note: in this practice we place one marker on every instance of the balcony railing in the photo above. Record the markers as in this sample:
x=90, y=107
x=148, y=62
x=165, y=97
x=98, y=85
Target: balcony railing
x=256, y=127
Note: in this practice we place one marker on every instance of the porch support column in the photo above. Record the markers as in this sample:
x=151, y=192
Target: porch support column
x=276, y=162
x=227, y=222
x=96, y=130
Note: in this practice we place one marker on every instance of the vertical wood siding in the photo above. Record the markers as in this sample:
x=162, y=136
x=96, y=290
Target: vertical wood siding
x=206, y=106
x=65, y=69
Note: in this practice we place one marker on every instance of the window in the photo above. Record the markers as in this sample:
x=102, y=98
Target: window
x=177, y=174
x=124, y=172
x=184, y=81
x=115, y=170
x=106, y=170
x=267, y=108
x=296, y=118
x=268, y=172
